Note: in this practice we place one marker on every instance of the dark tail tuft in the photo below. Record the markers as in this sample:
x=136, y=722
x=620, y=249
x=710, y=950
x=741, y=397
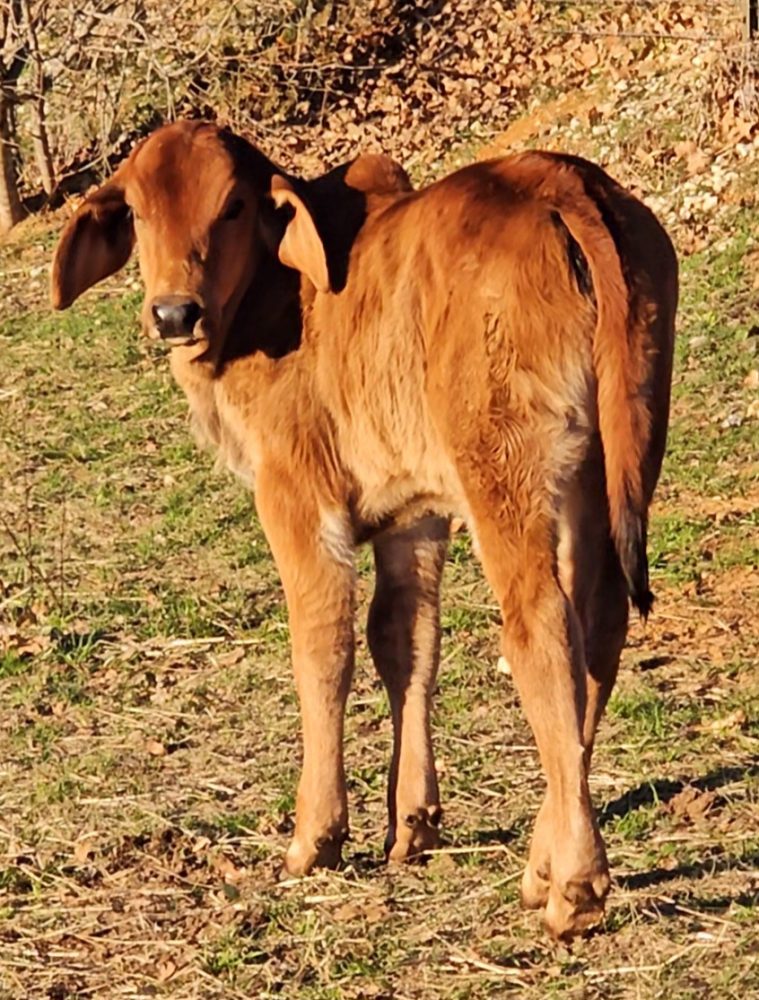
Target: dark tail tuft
x=631, y=547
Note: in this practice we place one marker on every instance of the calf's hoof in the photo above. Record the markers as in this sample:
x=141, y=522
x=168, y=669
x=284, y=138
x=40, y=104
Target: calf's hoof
x=536, y=885
x=325, y=852
x=576, y=907
x=415, y=833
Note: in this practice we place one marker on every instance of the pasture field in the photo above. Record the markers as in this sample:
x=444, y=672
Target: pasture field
x=149, y=734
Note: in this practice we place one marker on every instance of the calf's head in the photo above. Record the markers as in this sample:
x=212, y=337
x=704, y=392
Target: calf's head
x=194, y=198
x=221, y=232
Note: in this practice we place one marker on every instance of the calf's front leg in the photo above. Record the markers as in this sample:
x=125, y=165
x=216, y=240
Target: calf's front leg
x=317, y=574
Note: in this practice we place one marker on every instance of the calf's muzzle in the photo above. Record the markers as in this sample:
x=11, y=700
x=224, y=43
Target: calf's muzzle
x=175, y=317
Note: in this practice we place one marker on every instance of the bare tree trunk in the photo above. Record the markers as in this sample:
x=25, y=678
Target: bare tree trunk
x=42, y=156
x=12, y=61
x=11, y=210
x=751, y=19
x=40, y=140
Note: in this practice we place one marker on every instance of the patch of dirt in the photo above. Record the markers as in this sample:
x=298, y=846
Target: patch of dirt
x=148, y=725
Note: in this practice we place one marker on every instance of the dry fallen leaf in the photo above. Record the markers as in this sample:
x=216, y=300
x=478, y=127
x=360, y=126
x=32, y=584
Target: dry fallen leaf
x=735, y=720
x=683, y=150
x=233, y=656
x=690, y=805
x=697, y=161
x=83, y=849
x=13, y=641
x=588, y=55
x=370, y=910
x=348, y=911
x=165, y=970
x=226, y=868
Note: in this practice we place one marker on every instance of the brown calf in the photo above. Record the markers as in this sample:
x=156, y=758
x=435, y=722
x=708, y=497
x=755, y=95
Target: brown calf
x=498, y=345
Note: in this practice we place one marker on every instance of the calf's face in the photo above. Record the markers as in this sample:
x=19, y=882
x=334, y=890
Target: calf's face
x=190, y=197
x=204, y=207
x=194, y=221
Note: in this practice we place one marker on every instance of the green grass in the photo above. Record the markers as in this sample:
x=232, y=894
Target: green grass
x=147, y=711
x=713, y=357
x=121, y=549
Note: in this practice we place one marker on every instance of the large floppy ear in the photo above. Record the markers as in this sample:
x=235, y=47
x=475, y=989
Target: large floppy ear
x=96, y=242
x=301, y=246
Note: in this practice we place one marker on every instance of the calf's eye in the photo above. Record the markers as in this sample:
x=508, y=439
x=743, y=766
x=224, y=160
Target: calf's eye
x=233, y=210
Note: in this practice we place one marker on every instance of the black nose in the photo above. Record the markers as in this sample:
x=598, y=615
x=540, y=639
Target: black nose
x=175, y=316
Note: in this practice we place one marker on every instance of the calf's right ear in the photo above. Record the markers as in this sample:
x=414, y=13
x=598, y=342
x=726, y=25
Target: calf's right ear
x=96, y=242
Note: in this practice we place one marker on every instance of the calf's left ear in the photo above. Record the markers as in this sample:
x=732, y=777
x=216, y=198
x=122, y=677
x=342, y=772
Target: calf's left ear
x=96, y=242
x=301, y=246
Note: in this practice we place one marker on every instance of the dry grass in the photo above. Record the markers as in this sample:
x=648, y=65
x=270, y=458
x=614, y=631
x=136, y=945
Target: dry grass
x=149, y=728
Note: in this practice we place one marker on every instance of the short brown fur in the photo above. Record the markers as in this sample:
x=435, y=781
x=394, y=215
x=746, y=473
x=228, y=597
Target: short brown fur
x=498, y=345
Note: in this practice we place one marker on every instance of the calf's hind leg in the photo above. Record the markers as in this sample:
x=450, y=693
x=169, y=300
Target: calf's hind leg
x=541, y=639
x=606, y=613
x=591, y=577
x=404, y=638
